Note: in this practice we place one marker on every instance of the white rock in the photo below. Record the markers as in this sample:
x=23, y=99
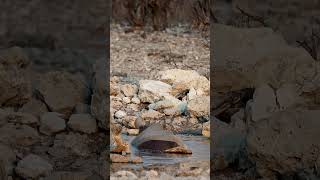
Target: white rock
x=150, y=174
x=171, y=106
x=151, y=106
x=51, y=123
x=151, y=115
x=168, y=102
x=125, y=175
x=133, y=132
x=185, y=80
x=192, y=94
x=135, y=100
x=120, y=114
x=199, y=106
x=83, y=123
x=165, y=176
x=151, y=91
x=33, y=166
x=126, y=100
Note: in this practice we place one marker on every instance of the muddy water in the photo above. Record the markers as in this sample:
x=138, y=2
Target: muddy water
x=200, y=151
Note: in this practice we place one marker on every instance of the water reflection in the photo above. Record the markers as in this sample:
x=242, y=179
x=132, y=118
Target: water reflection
x=199, y=145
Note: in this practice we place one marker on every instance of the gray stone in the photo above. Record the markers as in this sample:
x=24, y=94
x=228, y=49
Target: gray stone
x=83, y=123
x=33, y=166
x=35, y=107
x=264, y=103
x=228, y=144
x=288, y=96
x=71, y=144
x=52, y=123
x=264, y=57
x=238, y=121
x=100, y=93
x=62, y=91
x=8, y=157
x=151, y=91
x=270, y=145
x=18, y=135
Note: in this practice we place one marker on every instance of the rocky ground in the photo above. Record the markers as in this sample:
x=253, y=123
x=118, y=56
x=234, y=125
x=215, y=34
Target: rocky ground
x=52, y=116
x=265, y=110
x=53, y=107
x=266, y=105
x=181, y=106
x=148, y=52
x=160, y=86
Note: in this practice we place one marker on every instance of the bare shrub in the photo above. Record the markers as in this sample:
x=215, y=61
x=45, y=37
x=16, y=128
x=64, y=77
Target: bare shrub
x=311, y=43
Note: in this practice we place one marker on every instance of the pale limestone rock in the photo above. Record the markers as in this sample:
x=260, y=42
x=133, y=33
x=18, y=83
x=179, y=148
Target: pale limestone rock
x=182, y=80
x=151, y=115
x=129, y=90
x=120, y=114
x=206, y=129
x=199, y=106
x=135, y=100
x=151, y=91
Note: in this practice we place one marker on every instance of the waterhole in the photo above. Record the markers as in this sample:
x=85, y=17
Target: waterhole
x=199, y=145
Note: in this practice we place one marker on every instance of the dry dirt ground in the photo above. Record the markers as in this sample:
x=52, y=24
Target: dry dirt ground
x=144, y=53
x=141, y=54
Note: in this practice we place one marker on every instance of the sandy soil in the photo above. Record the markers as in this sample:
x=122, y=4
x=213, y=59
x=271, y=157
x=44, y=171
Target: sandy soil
x=142, y=53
